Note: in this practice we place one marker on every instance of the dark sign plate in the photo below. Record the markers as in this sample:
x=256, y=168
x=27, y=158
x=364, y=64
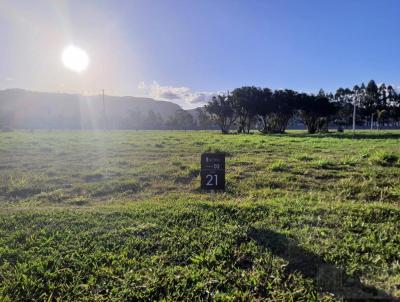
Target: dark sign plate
x=212, y=171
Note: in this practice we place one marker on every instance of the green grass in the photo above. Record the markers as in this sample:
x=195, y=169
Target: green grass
x=100, y=216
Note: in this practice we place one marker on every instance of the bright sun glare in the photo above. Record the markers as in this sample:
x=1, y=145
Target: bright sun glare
x=75, y=58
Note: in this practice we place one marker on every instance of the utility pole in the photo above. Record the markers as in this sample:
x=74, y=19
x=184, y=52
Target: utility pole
x=372, y=121
x=104, y=113
x=354, y=115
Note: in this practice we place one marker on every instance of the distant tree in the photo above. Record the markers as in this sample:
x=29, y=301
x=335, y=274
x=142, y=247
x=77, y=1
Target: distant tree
x=276, y=109
x=315, y=111
x=187, y=120
x=245, y=101
x=344, y=98
x=393, y=105
x=264, y=110
x=371, y=100
x=221, y=112
x=382, y=97
x=381, y=105
x=362, y=88
x=285, y=107
x=343, y=95
x=356, y=92
x=396, y=109
x=181, y=120
x=391, y=96
x=204, y=119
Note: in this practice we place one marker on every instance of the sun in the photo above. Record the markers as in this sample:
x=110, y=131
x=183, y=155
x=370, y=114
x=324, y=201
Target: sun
x=75, y=58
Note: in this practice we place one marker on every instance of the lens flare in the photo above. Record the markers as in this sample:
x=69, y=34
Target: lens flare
x=75, y=58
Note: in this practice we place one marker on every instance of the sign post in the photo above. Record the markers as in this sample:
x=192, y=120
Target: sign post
x=213, y=171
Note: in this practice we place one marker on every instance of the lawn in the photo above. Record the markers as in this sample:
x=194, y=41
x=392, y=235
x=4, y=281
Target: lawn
x=111, y=216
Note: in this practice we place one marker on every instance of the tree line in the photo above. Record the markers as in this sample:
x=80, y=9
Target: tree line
x=271, y=111
x=180, y=120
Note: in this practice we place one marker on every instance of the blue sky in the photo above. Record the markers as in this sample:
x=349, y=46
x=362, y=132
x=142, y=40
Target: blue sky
x=186, y=50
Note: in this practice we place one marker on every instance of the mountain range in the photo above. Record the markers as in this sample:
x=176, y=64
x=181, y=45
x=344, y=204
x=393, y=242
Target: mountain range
x=23, y=109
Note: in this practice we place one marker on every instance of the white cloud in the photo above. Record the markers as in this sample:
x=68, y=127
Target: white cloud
x=183, y=96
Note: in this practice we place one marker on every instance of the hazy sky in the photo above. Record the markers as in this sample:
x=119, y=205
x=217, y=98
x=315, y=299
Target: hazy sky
x=186, y=50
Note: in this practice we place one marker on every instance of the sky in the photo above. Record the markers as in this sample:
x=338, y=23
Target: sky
x=187, y=50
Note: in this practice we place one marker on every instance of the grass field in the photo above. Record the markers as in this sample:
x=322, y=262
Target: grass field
x=103, y=216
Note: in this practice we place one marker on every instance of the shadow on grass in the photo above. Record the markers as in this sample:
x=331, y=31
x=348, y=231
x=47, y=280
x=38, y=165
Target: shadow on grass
x=327, y=277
